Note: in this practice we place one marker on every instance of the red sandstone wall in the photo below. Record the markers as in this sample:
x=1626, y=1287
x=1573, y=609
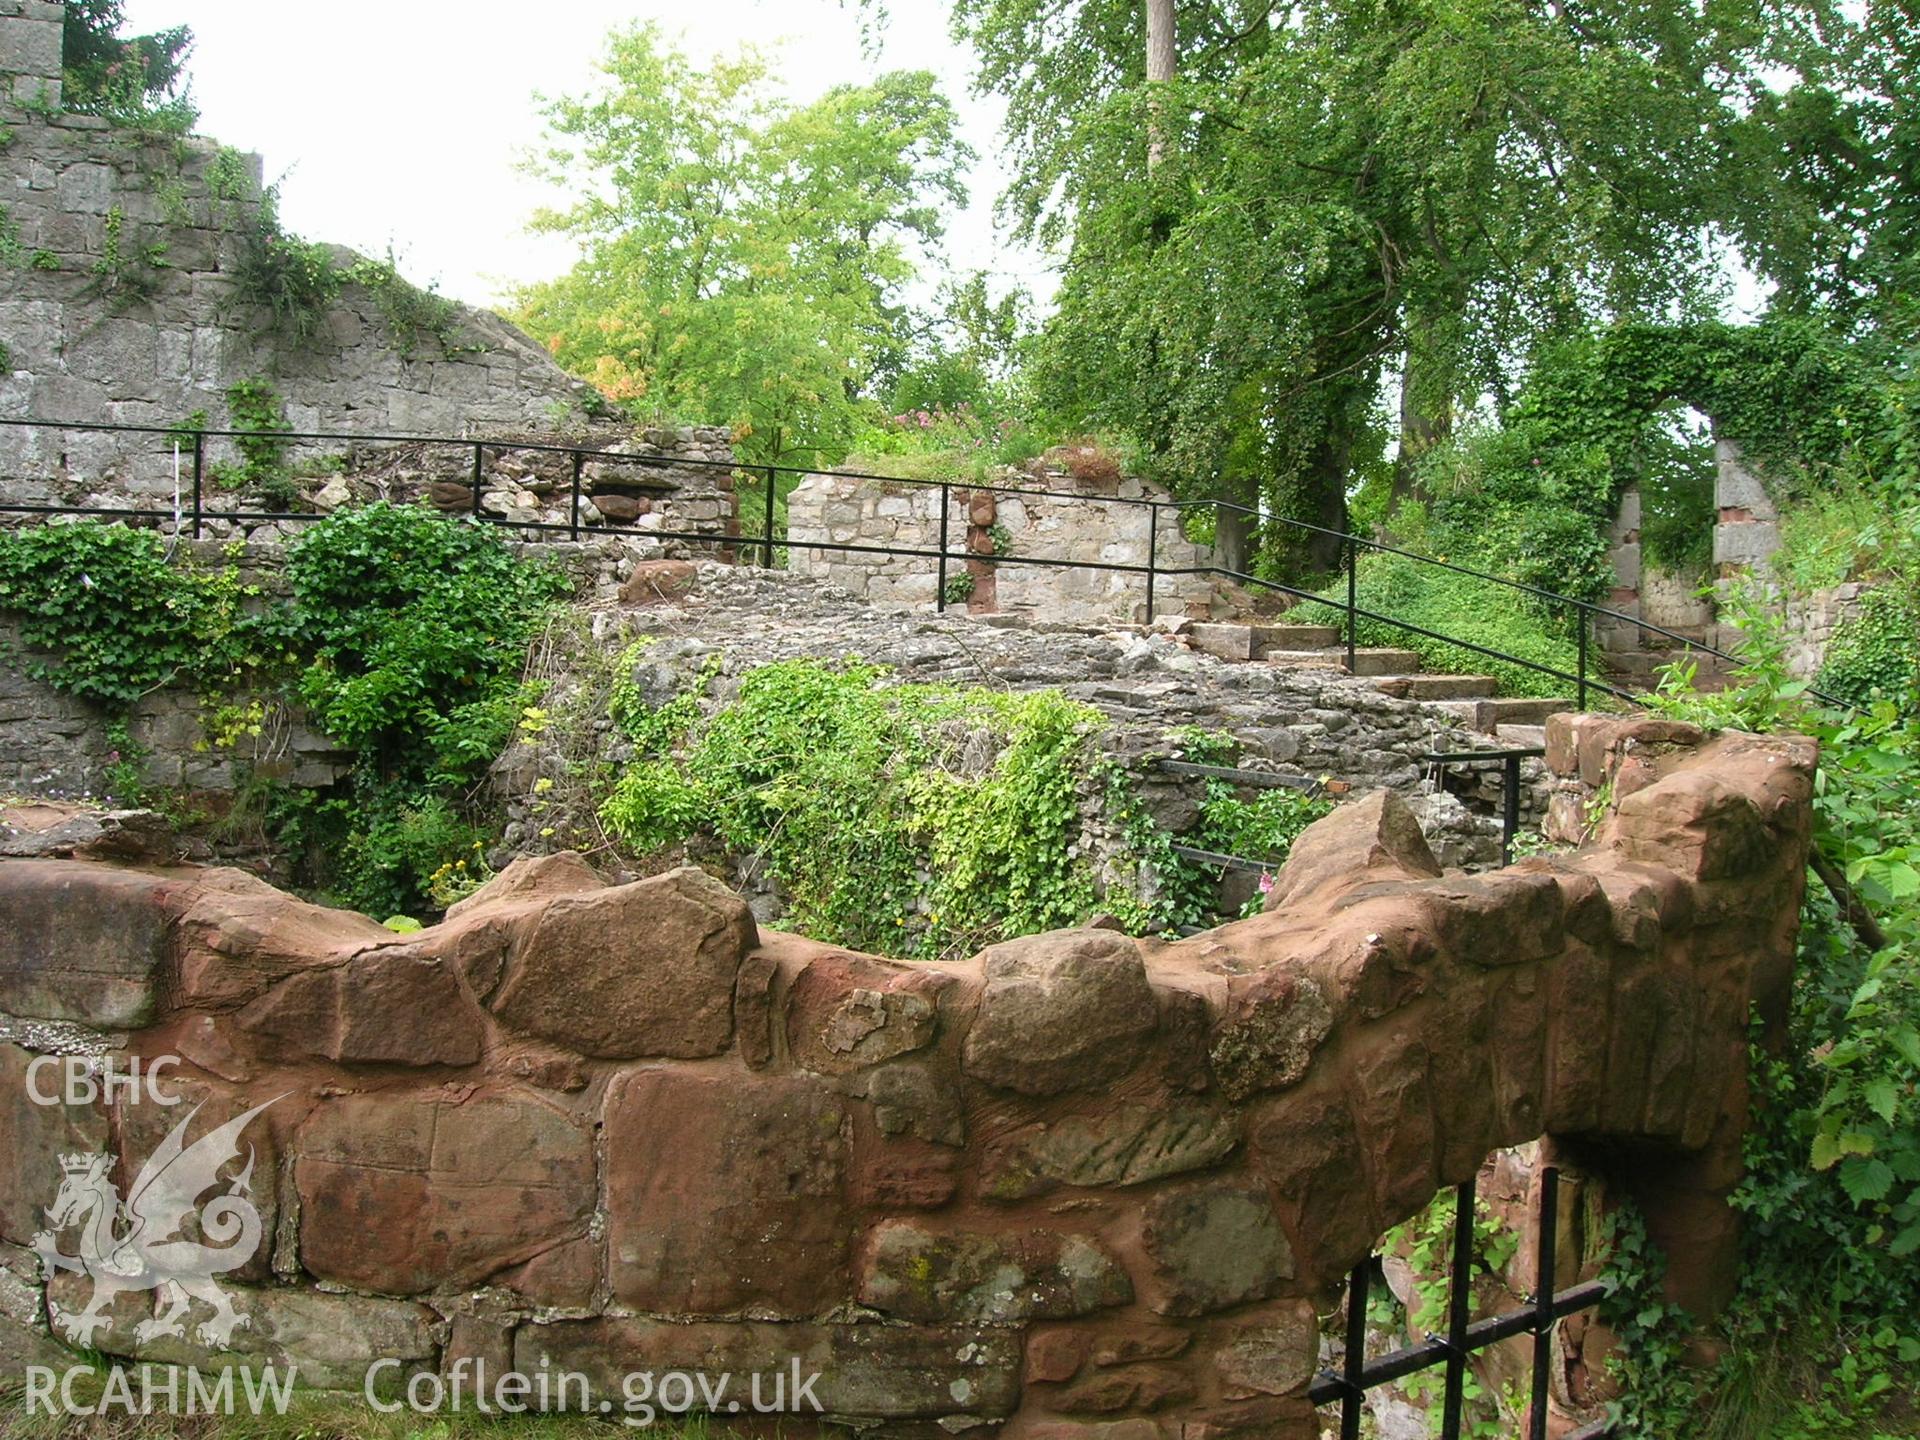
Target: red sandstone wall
x=1076, y=1180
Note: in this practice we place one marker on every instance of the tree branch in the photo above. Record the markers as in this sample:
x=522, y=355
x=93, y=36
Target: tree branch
x=1852, y=907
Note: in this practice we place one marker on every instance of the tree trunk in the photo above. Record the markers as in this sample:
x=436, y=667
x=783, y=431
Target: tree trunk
x=1327, y=501
x=1160, y=63
x=1426, y=410
x=1233, y=540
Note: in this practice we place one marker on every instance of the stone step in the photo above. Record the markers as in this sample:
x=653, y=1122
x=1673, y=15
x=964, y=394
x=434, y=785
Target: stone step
x=1487, y=716
x=1639, y=663
x=1520, y=712
x=1521, y=737
x=1307, y=659
x=1224, y=640
x=1437, y=687
x=1268, y=638
x=1384, y=662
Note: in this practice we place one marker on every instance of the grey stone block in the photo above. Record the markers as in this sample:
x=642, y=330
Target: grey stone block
x=1746, y=543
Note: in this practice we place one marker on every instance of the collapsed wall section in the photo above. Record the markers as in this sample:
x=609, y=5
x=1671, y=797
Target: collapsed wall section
x=1078, y=1179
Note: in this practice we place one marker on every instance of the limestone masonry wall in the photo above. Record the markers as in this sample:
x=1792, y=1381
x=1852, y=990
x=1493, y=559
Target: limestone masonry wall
x=983, y=524
x=120, y=252
x=1075, y=1180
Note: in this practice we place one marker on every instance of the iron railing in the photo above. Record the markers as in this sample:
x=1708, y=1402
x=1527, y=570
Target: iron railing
x=1465, y=1337
x=1509, y=761
x=191, y=512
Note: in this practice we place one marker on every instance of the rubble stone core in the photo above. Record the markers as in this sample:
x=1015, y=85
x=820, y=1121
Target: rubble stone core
x=1075, y=1183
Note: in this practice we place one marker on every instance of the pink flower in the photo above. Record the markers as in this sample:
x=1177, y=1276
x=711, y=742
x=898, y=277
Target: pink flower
x=1266, y=882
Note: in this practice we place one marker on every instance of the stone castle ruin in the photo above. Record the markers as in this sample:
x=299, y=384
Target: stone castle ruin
x=1078, y=1186
x=1111, y=525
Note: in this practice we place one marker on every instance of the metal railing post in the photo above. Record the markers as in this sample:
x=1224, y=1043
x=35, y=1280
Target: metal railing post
x=1580, y=618
x=1353, y=1403
x=766, y=555
x=1459, y=1309
x=1509, y=807
x=1353, y=581
x=199, y=470
x=1546, y=1230
x=940, y=592
x=1153, y=548
x=573, y=511
x=477, y=462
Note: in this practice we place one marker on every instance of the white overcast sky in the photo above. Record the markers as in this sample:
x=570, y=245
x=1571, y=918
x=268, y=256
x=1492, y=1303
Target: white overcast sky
x=400, y=121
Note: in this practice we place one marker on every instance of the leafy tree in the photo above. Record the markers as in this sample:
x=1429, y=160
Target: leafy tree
x=1358, y=186
x=1829, y=173
x=967, y=352
x=130, y=79
x=742, y=259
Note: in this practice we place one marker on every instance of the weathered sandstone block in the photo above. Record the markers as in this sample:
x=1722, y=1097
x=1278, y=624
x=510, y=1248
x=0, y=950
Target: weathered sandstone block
x=1126, y=1145
x=392, y=1005
x=727, y=1190
x=437, y=1189
x=909, y=1270
x=1068, y=1010
x=641, y=969
x=1373, y=838
x=83, y=942
x=1213, y=1246
x=33, y=1137
x=846, y=1012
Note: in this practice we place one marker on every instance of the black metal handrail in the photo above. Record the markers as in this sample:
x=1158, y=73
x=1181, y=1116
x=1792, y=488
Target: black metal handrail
x=1509, y=783
x=1584, y=612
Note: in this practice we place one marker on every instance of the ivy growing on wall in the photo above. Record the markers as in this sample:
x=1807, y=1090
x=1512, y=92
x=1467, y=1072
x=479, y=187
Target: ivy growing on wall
x=404, y=637
x=918, y=819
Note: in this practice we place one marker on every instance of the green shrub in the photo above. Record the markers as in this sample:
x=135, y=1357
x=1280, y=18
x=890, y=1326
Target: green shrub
x=1822, y=1337
x=417, y=626
x=405, y=635
x=293, y=280
x=391, y=853
x=909, y=819
x=1462, y=608
x=1826, y=538
x=920, y=819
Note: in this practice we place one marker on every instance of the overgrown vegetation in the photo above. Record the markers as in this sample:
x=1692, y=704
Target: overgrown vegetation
x=920, y=819
x=906, y=819
x=127, y=271
x=403, y=635
x=254, y=414
x=296, y=282
x=1822, y=1339
x=104, y=616
x=139, y=82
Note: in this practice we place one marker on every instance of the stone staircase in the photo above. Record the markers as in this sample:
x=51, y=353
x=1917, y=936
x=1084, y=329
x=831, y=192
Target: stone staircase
x=1472, y=699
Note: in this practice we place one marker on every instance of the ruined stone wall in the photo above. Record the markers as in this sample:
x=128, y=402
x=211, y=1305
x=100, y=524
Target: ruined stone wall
x=1812, y=622
x=120, y=305
x=1075, y=1180
x=983, y=524
x=56, y=745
